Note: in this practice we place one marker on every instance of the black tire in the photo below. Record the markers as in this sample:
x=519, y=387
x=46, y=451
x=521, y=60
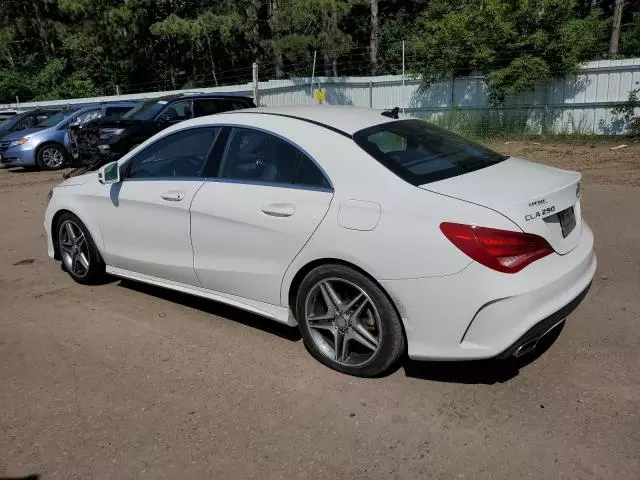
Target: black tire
x=391, y=343
x=48, y=149
x=95, y=273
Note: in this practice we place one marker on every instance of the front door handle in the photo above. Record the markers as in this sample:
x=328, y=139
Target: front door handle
x=279, y=209
x=173, y=195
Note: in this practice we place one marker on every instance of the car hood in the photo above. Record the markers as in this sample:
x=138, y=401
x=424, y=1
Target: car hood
x=79, y=180
x=22, y=133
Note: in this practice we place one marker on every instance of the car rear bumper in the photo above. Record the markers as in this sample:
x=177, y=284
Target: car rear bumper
x=529, y=341
x=479, y=313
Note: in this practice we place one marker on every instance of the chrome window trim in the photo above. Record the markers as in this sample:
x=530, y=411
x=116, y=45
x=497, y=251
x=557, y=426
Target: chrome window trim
x=292, y=186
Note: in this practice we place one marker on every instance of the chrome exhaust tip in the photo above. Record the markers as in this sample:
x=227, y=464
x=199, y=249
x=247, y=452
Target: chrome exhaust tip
x=526, y=347
x=530, y=345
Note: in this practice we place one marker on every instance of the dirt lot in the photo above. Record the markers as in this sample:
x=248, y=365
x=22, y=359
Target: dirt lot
x=126, y=381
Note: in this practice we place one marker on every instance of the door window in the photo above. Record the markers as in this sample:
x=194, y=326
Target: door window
x=177, y=112
x=207, y=106
x=88, y=116
x=256, y=156
x=117, y=111
x=180, y=155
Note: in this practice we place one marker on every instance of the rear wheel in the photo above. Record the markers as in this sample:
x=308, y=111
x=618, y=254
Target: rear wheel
x=80, y=257
x=347, y=321
x=51, y=156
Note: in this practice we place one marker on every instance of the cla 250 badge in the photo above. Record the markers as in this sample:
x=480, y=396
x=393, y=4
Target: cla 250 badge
x=542, y=213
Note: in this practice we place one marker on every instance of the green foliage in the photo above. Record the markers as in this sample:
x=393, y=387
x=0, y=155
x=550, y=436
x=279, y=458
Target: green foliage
x=68, y=48
x=630, y=37
x=629, y=113
x=516, y=43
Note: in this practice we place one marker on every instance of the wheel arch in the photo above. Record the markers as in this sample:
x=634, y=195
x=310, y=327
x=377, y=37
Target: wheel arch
x=95, y=234
x=54, y=232
x=46, y=143
x=294, y=286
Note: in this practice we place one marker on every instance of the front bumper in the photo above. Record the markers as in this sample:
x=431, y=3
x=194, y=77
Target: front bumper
x=479, y=313
x=21, y=156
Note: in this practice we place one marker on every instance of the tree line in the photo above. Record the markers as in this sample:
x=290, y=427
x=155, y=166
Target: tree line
x=53, y=49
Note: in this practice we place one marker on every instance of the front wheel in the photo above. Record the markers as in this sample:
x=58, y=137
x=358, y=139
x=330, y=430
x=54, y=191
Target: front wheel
x=79, y=254
x=51, y=156
x=347, y=322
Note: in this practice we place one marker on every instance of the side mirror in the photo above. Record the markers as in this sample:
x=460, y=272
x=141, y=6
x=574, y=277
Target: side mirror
x=109, y=174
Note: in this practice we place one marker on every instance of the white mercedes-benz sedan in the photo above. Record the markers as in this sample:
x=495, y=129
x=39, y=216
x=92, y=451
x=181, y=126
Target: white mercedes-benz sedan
x=377, y=234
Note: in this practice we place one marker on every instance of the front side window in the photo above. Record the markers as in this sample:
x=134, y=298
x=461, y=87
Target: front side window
x=146, y=110
x=180, y=155
x=419, y=152
x=88, y=116
x=256, y=156
x=117, y=111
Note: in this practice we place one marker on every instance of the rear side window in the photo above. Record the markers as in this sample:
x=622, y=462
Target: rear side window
x=421, y=153
x=257, y=156
x=237, y=104
x=206, y=106
x=210, y=106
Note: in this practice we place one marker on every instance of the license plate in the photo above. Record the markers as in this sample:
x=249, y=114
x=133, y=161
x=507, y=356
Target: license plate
x=567, y=221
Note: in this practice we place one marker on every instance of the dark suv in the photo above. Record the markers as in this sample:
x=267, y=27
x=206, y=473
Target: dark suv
x=104, y=140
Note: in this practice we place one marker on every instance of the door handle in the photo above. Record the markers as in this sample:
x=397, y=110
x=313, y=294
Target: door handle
x=279, y=209
x=173, y=195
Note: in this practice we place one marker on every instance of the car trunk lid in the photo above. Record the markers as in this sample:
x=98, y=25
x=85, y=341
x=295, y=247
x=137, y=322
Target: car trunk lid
x=539, y=199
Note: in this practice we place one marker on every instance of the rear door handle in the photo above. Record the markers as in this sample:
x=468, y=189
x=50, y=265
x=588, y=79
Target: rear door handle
x=173, y=195
x=279, y=209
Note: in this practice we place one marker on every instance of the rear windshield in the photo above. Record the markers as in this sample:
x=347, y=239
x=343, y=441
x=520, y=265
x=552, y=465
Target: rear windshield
x=419, y=152
x=146, y=110
x=53, y=120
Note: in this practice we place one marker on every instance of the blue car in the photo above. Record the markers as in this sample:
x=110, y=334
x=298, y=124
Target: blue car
x=47, y=145
x=25, y=120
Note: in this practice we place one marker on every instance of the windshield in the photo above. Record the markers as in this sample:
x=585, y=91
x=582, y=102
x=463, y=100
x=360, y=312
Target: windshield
x=145, y=110
x=419, y=152
x=53, y=120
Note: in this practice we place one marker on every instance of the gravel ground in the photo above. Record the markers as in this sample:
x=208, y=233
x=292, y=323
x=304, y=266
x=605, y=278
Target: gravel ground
x=128, y=381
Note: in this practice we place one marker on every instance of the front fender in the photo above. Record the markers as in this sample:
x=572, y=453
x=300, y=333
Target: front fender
x=77, y=205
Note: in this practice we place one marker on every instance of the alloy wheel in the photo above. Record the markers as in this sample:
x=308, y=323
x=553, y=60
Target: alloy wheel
x=343, y=321
x=74, y=249
x=52, y=157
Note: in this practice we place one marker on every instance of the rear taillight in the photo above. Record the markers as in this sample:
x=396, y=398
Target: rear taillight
x=501, y=250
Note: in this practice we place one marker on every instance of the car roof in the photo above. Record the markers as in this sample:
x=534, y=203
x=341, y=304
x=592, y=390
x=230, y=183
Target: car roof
x=90, y=106
x=343, y=119
x=35, y=111
x=192, y=95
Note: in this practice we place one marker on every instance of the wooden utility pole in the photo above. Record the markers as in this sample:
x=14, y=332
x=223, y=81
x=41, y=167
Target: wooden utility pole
x=373, y=42
x=274, y=23
x=615, y=32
